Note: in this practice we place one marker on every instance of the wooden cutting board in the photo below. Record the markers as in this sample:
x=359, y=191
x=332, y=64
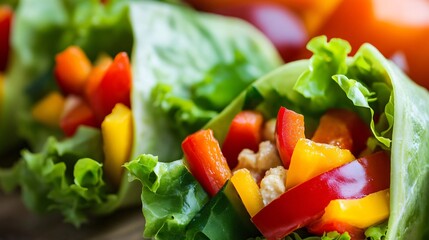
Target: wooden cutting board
x=16, y=223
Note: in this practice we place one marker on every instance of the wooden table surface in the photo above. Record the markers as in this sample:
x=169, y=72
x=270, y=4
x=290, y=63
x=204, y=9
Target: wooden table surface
x=17, y=223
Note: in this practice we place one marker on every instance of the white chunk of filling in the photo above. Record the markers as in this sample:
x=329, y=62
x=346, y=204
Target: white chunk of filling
x=273, y=184
x=257, y=163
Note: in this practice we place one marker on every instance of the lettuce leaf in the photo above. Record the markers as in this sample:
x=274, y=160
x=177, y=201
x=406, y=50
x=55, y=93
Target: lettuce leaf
x=372, y=86
x=377, y=232
x=171, y=196
x=203, y=54
x=63, y=176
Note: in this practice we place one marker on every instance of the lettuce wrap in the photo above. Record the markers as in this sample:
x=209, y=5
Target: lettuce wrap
x=174, y=51
x=36, y=38
x=367, y=84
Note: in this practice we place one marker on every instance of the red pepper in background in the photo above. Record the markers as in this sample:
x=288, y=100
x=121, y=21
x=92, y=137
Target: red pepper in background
x=206, y=161
x=289, y=129
x=78, y=114
x=98, y=88
x=281, y=25
x=114, y=87
x=306, y=202
x=398, y=29
x=342, y=128
x=6, y=15
x=244, y=132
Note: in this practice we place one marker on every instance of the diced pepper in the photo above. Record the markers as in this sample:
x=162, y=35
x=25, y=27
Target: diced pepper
x=361, y=213
x=6, y=15
x=48, y=110
x=306, y=202
x=223, y=217
x=289, y=129
x=206, y=161
x=244, y=132
x=310, y=159
x=334, y=131
x=353, y=215
x=96, y=74
x=76, y=114
x=117, y=131
x=114, y=87
x=248, y=190
x=343, y=128
x=72, y=68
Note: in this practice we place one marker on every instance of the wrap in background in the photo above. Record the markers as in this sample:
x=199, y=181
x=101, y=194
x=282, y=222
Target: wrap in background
x=174, y=51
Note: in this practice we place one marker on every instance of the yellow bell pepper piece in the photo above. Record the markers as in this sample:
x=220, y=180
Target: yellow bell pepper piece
x=248, y=190
x=310, y=159
x=117, y=131
x=48, y=110
x=361, y=213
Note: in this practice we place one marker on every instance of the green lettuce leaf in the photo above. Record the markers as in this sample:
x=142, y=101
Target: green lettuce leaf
x=63, y=176
x=204, y=54
x=171, y=196
x=377, y=232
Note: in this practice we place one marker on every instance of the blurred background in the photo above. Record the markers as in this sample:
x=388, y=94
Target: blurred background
x=399, y=29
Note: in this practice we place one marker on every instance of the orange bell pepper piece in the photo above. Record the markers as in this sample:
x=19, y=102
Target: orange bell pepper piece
x=72, y=68
x=343, y=128
x=206, y=161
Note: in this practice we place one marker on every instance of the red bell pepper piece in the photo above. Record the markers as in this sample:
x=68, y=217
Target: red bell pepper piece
x=114, y=87
x=289, y=129
x=72, y=68
x=320, y=228
x=306, y=202
x=6, y=15
x=78, y=114
x=206, y=161
x=344, y=129
x=244, y=132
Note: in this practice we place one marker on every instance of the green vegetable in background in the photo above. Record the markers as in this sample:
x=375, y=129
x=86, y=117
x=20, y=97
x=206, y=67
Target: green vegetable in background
x=47, y=180
x=173, y=49
x=372, y=86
